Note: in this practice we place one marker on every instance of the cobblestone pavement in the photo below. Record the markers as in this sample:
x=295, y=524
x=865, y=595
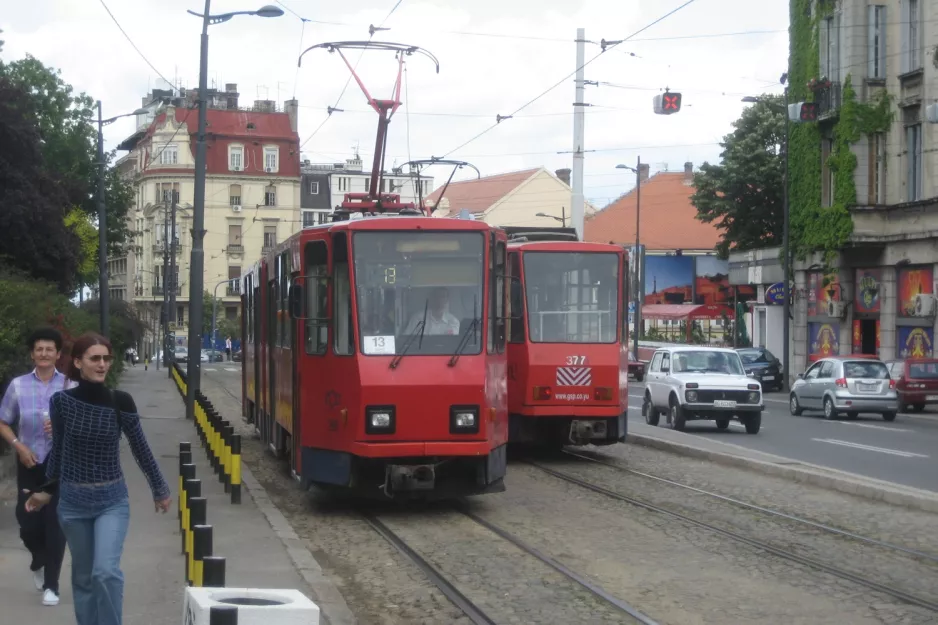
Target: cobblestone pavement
x=674, y=572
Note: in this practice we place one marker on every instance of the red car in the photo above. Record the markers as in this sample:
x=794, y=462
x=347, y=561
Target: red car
x=636, y=368
x=916, y=381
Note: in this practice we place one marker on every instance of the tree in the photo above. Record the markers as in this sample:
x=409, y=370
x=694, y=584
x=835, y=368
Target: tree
x=68, y=134
x=743, y=196
x=81, y=226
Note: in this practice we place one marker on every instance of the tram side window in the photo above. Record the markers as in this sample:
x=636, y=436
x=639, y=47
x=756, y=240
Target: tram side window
x=317, y=298
x=499, y=281
x=285, y=281
x=625, y=303
x=344, y=336
x=516, y=309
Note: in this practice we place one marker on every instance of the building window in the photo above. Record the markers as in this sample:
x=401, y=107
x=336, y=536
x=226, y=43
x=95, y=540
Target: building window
x=270, y=196
x=234, y=284
x=270, y=236
x=913, y=146
x=314, y=218
x=313, y=187
x=829, y=47
x=169, y=155
x=911, y=24
x=877, y=171
x=167, y=192
x=235, y=157
x=180, y=314
x=876, y=53
x=270, y=158
x=234, y=235
x=234, y=195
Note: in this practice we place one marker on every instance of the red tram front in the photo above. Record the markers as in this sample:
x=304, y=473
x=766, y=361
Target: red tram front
x=375, y=355
x=568, y=340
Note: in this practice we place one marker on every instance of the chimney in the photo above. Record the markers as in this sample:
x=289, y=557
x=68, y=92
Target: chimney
x=643, y=170
x=292, y=107
x=564, y=174
x=688, y=173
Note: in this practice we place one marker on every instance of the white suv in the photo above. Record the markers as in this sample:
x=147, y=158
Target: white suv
x=691, y=383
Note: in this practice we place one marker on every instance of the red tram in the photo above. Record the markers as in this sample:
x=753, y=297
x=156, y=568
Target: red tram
x=568, y=340
x=375, y=355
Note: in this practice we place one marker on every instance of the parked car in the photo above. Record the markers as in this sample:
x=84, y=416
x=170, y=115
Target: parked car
x=695, y=383
x=212, y=355
x=763, y=366
x=845, y=384
x=636, y=367
x=236, y=357
x=916, y=382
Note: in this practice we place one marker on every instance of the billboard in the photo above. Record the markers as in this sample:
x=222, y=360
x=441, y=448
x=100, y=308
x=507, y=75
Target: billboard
x=915, y=342
x=912, y=281
x=668, y=280
x=867, y=290
x=712, y=283
x=823, y=340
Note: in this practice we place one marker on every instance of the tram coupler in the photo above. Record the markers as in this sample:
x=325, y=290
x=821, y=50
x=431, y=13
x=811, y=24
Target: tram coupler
x=583, y=432
x=399, y=477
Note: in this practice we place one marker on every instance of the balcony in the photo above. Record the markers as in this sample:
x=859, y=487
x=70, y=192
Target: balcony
x=235, y=249
x=233, y=291
x=157, y=291
x=828, y=99
x=158, y=247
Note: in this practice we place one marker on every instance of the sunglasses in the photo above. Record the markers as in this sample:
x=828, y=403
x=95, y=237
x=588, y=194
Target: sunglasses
x=99, y=358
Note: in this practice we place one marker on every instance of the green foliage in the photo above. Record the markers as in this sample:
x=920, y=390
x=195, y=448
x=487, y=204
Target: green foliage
x=743, y=196
x=229, y=327
x=78, y=223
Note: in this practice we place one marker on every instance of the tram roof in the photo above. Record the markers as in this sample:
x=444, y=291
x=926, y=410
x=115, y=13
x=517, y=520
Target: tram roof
x=563, y=246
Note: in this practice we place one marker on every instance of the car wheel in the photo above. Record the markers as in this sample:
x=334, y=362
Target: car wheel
x=889, y=416
x=639, y=377
x=678, y=420
x=918, y=407
x=722, y=424
x=829, y=411
x=793, y=406
x=648, y=411
x=853, y=414
x=753, y=423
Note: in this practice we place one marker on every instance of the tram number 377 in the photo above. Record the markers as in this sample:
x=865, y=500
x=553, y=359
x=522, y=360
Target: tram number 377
x=576, y=360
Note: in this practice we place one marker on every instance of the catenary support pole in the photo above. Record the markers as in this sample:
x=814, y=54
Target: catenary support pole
x=579, y=128
x=786, y=264
x=104, y=298
x=172, y=282
x=167, y=348
x=197, y=262
x=637, y=261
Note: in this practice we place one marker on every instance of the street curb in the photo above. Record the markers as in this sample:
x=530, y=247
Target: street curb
x=806, y=473
x=327, y=596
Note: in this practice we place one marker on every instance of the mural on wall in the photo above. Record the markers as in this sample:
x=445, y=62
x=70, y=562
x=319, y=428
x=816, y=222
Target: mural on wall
x=821, y=290
x=823, y=340
x=712, y=282
x=914, y=342
x=911, y=282
x=867, y=290
x=858, y=336
x=668, y=279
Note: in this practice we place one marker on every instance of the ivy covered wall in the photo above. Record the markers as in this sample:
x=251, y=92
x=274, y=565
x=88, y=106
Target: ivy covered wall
x=817, y=228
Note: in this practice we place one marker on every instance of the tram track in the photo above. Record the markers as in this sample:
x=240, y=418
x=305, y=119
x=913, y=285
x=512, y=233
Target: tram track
x=813, y=563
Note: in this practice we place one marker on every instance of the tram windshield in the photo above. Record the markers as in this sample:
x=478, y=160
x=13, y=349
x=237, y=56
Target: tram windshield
x=425, y=286
x=572, y=297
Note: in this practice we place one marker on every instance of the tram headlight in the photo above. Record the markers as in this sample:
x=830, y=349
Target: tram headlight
x=464, y=419
x=379, y=420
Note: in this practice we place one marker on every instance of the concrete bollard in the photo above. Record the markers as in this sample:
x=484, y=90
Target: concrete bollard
x=252, y=606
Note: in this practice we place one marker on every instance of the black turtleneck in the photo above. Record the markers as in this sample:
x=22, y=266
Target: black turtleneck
x=98, y=394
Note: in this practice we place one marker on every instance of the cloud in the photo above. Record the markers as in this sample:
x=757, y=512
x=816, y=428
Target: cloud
x=480, y=76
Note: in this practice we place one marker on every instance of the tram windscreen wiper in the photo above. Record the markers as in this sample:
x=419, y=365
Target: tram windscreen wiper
x=422, y=326
x=463, y=342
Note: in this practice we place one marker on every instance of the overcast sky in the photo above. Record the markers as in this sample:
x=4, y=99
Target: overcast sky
x=713, y=51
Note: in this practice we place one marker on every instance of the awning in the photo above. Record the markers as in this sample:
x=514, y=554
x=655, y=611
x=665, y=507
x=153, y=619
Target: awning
x=684, y=312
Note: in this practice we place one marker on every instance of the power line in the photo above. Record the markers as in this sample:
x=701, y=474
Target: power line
x=131, y=41
x=567, y=77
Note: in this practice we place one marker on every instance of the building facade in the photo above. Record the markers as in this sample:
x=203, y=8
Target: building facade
x=875, y=294
x=252, y=199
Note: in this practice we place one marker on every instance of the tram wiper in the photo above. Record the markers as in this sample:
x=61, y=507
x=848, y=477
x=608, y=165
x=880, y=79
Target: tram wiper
x=463, y=342
x=413, y=337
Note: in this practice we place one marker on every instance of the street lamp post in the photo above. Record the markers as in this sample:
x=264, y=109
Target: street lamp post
x=197, y=259
x=636, y=262
x=562, y=219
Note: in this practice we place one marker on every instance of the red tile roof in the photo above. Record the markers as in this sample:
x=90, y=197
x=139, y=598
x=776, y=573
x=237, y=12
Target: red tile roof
x=479, y=195
x=668, y=219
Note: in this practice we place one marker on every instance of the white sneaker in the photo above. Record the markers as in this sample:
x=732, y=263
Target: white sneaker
x=39, y=578
x=50, y=598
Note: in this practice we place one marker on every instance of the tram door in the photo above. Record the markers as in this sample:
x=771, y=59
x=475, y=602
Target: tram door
x=273, y=334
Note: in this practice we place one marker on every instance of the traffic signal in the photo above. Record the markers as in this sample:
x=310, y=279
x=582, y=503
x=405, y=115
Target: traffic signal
x=667, y=103
x=802, y=112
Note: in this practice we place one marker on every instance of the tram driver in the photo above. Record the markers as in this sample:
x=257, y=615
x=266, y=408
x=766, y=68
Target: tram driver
x=439, y=319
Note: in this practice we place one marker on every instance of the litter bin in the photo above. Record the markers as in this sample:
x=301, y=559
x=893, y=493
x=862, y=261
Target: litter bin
x=256, y=606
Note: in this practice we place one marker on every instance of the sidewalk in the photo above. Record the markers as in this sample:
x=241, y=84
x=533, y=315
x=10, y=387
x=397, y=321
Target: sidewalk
x=152, y=563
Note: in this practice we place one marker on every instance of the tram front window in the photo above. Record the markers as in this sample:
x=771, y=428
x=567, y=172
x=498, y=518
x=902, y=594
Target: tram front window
x=572, y=297
x=421, y=285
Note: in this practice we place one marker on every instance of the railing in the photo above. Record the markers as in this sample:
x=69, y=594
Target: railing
x=158, y=290
x=235, y=249
x=159, y=247
x=233, y=291
x=828, y=99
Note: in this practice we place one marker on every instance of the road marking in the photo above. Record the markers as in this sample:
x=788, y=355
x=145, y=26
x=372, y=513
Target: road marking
x=882, y=450
x=209, y=369
x=870, y=425
x=231, y=369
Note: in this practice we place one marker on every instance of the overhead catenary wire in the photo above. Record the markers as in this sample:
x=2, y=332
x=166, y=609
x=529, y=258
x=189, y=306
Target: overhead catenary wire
x=131, y=42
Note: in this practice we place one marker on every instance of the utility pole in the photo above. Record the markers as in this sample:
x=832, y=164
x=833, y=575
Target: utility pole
x=786, y=250
x=637, y=261
x=579, y=129
x=167, y=351
x=173, y=280
x=103, y=292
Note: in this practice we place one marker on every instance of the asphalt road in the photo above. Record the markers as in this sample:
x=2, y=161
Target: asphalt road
x=904, y=451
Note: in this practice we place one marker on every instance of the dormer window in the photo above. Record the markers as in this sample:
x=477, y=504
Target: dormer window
x=236, y=157
x=271, y=159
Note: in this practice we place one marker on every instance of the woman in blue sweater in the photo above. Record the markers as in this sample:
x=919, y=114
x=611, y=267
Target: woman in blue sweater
x=84, y=466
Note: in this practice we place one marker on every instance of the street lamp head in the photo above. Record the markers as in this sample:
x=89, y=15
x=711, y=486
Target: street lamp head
x=750, y=99
x=268, y=10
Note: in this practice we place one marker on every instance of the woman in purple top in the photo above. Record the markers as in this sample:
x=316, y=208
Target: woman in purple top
x=25, y=406
x=84, y=469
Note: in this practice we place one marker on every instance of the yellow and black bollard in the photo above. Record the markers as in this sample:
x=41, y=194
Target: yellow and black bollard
x=236, y=469
x=201, y=549
x=213, y=572
x=185, y=457
x=197, y=516
x=227, y=434
x=187, y=472
x=193, y=490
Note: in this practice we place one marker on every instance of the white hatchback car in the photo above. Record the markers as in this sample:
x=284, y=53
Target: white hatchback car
x=691, y=382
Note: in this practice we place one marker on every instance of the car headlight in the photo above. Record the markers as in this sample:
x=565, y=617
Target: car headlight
x=464, y=419
x=379, y=420
x=753, y=397
x=691, y=396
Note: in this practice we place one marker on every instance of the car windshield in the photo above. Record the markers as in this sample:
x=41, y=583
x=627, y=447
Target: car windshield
x=865, y=369
x=924, y=370
x=572, y=297
x=703, y=361
x=427, y=284
x=756, y=356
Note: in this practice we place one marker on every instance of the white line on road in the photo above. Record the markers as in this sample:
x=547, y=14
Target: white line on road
x=209, y=369
x=231, y=369
x=882, y=450
x=870, y=425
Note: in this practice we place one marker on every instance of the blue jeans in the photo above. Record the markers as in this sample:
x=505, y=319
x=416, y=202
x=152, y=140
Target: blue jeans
x=96, y=540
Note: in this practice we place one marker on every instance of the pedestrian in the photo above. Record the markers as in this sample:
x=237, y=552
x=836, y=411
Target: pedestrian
x=84, y=470
x=146, y=360
x=228, y=347
x=25, y=405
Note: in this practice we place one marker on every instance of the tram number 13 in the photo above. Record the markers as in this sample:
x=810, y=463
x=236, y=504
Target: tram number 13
x=576, y=360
